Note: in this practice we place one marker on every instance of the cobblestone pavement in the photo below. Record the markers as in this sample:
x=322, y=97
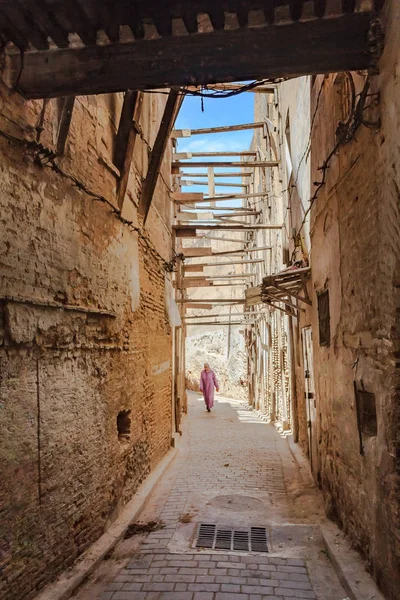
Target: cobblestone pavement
x=232, y=470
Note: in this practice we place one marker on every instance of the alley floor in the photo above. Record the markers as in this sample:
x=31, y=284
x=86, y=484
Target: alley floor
x=236, y=472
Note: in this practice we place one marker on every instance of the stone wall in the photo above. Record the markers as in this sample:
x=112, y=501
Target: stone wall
x=84, y=336
x=354, y=232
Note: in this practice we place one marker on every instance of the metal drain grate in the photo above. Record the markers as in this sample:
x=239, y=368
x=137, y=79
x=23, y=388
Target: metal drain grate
x=223, y=538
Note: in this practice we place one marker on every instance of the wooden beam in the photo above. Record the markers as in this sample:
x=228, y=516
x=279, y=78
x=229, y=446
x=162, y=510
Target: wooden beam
x=124, y=127
x=195, y=252
x=193, y=269
x=219, y=323
x=226, y=128
x=128, y=131
x=157, y=154
x=224, y=239
x=243, y=251
x=231, y=263
x=242, y=54
x=224, y=174
x=199, y=306
x=225, y=227
x=245, y=164
x=64, y=123
x=218, y=315
x=218, y=208
x=214, y=277
x=197, y=284
x=215, y=184
x=211, y=300
x=226, y=197
x=243, y=153
x=182, y=197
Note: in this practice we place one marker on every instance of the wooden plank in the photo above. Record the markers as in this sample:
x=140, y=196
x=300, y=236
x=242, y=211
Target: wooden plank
x=227, y=197
x=124, y=127
x=193, y=269
x=217, y=277
x=212, y=300
x=194, y=252
x=129, y=148
x=40, y=13
x=243, y=153
x=242, y=54
x=225, y=227
x=157, y=154
x=226, y=128
x=64, y=123
x=233, y=262
x=184, y=232
x=199, y=306
x=243, y=251
x=219, y=323
x=211, y=183
x=218, y=183
x=224, y=174
x=182, y=197
x=248, y=164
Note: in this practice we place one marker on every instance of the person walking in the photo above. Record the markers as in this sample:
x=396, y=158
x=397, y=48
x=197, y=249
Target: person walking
x=207, y=382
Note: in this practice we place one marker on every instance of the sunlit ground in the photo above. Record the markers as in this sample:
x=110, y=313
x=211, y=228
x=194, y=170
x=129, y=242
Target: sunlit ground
x=246, y=415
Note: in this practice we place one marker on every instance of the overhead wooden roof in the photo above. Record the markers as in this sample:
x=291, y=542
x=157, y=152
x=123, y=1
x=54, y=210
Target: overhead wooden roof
x=94, y=46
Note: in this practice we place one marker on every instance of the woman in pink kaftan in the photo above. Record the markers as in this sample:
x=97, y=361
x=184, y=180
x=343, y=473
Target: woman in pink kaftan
x=207, y=383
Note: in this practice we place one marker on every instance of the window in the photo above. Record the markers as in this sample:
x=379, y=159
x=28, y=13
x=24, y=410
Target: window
x=366, y=414
x=124, y=425
x=324, y=319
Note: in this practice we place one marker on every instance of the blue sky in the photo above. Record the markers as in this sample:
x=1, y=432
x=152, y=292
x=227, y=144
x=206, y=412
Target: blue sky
x=217, y=112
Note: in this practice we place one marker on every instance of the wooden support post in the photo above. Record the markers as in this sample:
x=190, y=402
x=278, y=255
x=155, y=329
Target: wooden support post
x=126, y=139
x=167, y=122
x=211, y=184
x=64, y=123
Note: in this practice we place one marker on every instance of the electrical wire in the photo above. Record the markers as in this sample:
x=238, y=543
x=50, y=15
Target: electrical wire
x=45, y=157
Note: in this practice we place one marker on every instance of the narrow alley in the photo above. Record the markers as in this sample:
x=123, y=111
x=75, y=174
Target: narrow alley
x=199, y=197
x=234, y=471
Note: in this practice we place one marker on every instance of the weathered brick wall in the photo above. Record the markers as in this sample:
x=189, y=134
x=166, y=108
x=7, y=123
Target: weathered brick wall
x=355, y=248
x=66, y=374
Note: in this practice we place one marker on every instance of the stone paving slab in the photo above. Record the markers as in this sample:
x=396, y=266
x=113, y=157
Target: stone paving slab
x=228, y=454
x=160, y=576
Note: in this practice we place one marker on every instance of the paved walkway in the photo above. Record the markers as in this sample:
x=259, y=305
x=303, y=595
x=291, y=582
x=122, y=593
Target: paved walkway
x=235, y=471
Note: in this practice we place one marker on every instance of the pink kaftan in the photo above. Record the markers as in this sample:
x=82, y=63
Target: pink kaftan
x=207, y=382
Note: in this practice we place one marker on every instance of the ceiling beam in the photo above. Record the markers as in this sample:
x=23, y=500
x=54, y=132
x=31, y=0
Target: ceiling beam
x=188, y=228
x=238, y=174
x=243, y=153
x=211, y=300
x=231, y=263
x=270, y=51
x=176, y=164
x=178, y=198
